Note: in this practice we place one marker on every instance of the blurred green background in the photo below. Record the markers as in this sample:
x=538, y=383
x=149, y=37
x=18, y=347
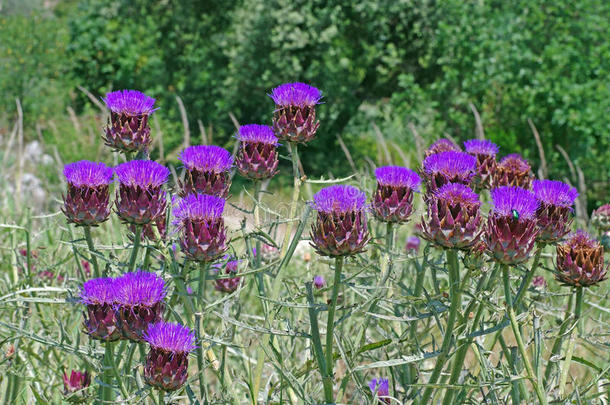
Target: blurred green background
x=379, y=63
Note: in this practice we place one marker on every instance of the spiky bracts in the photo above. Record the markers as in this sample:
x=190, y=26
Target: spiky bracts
x=448, y=167
x=87, y=200
x=340, y=228
x=294, y=118
x=442, y=145
x=511, y=225
x=513, y=170
x=393, y=199
x=257, y=157
x=380, y=388
x=555, y=212
x=128, y=129
x=140, y=198
x=74, y=386
x=202, y=228
x=580, y=261
x=485, y=151
x=167, y=362
x=453, y=219
x=229, y=284
x=206, y=170
x=99, y=296
x=139, y=300
x=600, y=218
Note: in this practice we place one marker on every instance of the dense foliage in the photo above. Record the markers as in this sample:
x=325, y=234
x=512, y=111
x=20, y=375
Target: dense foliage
x=384, y=62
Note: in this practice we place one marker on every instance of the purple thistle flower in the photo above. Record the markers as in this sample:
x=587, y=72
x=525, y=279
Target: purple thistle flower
x=341, y=226
x=393, y=199
x=139, y=302
x=513, y=170
x=227, y=285
x=481, y=147
x=319, y=282
x=448, y=167
x=295, y=94
x=140, y=198
x=257, y=157
x=87, y=200
x=74, y=384
x=580, y=261
x=442, y=145
x=295, y=116
x=539, y=283
x=381, y=389
x=453, y=217
x=412, y=245
x=199, y=217
x=555, y=209
x=128, y=129
x=207, y=170
x=511, y=225
x=100, y=296
x=129, y=102
x=167, y=362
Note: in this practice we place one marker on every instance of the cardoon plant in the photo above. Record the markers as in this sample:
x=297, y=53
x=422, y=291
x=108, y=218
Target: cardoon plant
x=100, y=297
x=206, y=170
x=448, y=167
x=513, y=170
x=555, y=209
x=74, y=386
x=339, y=230
x=393, y=199
x=203, y=232
x=442, y=145
x=128, y=129
x=485, y=151
x=453, y=219
x=511, y=228
x=257, y=157
x=86, y=202
x=167, y=361
x=230, y=284
x=294, y=118
x=140, y=298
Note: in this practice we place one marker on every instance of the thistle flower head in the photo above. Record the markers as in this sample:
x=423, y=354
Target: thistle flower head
x=318, y=282
x=295, y=94
x=231, y=266
x=99, y=291
x=515, y=162
x=397, y=176
x=516, y=202
x=442, y=145
x=456, y=193
x=142, y=173
x=450, y=163
x=256, y=133
x=412, y=244
x=206, y=158
x=555, y=193
x=600, y=218
x=481, y=147
x=129, y=102
x=170, y=337
x=339, y=199
x=140, y=289
x=199, y=207
x=580, y=261
x=85, y=173
x=381, y=388
x=77, y=381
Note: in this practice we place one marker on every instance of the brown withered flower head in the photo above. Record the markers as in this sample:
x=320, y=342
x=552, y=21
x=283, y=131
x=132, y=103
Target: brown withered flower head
x=513, y=170
x=580, y=261
x=485, y=151
x=442, y=145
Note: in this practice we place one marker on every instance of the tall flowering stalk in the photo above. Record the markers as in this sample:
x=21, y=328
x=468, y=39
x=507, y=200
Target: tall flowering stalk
x=128, y=129
x=339, y=230
x=167, y=361
x=510, y=236
x=485, y=151
x=140, y=198
x=87, y=200
x=206, y=170
x=448, y=167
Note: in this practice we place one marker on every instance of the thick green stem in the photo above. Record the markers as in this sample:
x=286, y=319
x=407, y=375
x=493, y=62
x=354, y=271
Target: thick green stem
x=93, y=258
x=277, y=282
x=527, y=280
x=136, y=246
x=556, y=350
x=330, y=325
x=456, y=303
x=419, y=283
x=105, y=392
x=521, y=346
x=580, y=291
x=257, y=221
x=317, y=342
x=203, y=269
